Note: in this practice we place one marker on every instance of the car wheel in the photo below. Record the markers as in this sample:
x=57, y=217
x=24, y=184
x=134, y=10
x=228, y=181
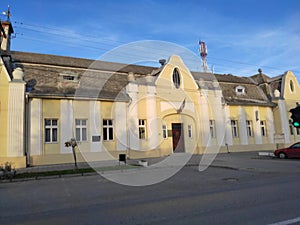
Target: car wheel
x=282, y=155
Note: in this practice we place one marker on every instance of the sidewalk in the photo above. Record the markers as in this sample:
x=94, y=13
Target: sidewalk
x=249, y=161
x=233, y=160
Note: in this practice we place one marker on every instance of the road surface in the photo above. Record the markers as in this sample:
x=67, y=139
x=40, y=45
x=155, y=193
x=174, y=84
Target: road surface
x=216, y=196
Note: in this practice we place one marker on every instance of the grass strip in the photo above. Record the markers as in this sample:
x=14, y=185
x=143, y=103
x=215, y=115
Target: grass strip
x=71, y=171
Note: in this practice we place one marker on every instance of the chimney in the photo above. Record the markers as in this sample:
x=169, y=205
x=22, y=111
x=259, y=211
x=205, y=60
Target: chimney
x=6, y=32
x=162, y=62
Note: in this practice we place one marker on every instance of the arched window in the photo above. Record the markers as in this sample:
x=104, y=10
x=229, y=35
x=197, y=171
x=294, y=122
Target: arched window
x=176, y=78
x=292, y=86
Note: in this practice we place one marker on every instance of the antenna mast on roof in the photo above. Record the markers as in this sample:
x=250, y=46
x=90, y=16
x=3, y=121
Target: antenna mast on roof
x=203, y=54
x=7, y=13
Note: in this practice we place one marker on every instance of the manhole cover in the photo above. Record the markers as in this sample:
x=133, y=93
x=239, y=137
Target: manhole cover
x=250, y=168
x=230, y=179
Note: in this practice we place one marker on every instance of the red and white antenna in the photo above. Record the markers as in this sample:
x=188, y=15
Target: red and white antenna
x=203, y=54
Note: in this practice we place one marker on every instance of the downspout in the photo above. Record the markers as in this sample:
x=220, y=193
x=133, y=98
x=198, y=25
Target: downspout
x=127, y=129
x=27, y=130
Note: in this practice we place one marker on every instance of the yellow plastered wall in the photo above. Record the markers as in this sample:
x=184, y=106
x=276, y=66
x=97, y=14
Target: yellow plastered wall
x=291, y=93
x=291, y=88
x=4, y=90
x=168, y=93
x=50, y=110
x=292, y=97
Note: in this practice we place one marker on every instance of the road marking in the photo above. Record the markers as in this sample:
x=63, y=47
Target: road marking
x=287, y=222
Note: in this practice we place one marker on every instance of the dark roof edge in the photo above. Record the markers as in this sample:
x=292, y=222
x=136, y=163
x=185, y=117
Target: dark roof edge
x=271, y=104
x=72, y=97
x=68, y=61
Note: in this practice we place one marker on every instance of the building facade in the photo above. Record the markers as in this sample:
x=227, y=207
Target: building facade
x=113, y=108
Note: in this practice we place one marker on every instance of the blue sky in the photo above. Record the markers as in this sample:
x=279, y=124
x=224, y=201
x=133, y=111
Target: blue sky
x=241, y=35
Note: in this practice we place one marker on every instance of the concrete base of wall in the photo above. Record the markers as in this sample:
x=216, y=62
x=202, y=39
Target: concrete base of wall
x=17, y=162
x=68, y=158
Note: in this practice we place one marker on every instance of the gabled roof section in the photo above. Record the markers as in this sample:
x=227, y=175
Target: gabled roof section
x=253, y=94
x=94, y=79
x=260, y=78
x=8, y=65
x=268, y=84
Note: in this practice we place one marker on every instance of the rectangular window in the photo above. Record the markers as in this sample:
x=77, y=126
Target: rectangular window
x=212, y=128
x=164, y=131
x=190, y=131
x=81, y=129
x=51, y=130
x=263, y=128
x=249, y=128
x=234, y=128
x=142, y=129
x=67, y=77
x=108, y=130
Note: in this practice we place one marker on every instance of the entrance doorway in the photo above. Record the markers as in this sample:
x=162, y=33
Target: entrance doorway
x=178, y=137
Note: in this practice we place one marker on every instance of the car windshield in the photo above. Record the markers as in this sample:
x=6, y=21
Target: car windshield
x=297, y=145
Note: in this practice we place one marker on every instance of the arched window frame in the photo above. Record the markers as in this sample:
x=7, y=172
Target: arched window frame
x=292, y=86
x=176, y=78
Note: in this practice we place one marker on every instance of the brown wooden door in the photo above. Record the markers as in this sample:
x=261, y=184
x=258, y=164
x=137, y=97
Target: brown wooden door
x=178, y=137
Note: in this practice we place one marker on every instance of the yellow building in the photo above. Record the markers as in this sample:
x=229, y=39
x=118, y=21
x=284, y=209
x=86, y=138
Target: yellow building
x=112, y=108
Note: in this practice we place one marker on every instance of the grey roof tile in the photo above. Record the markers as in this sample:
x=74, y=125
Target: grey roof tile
x=107, y=80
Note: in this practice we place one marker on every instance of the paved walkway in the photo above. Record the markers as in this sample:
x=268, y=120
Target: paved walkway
x=237, y=160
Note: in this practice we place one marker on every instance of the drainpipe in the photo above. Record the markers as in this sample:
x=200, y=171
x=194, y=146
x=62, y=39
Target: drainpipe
x=27, y=130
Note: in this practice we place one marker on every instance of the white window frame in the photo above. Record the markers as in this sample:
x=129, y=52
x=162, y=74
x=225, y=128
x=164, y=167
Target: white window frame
x=80, y=126
x=52, y=128
x=240, y=90
x=212, y=130
x=108, y=129
x=298, y=131
x=190, y=131
x=164, y=131
x=249, y=128
x=142, y=129
x=263, y=128
x=176, y=78
x=234, y=128
x=291, y=127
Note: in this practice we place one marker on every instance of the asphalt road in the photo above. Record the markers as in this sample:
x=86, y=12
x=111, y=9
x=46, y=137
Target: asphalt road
x=216, y=196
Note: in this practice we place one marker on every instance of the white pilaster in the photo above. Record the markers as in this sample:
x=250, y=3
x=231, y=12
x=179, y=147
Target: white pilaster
x=270, y=125
x=256, y=126
x=95, y=126
x=36, y=126
x=66, y=124
x=121, y=126
x=218, y=112
x=204, y=118
x=152, y=117
x=132, y=90
x=16, y=122
x=284, y=120
x=228, y=133
x=242, y=126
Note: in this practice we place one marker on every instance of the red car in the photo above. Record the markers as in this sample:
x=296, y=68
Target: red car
x=290, y=152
